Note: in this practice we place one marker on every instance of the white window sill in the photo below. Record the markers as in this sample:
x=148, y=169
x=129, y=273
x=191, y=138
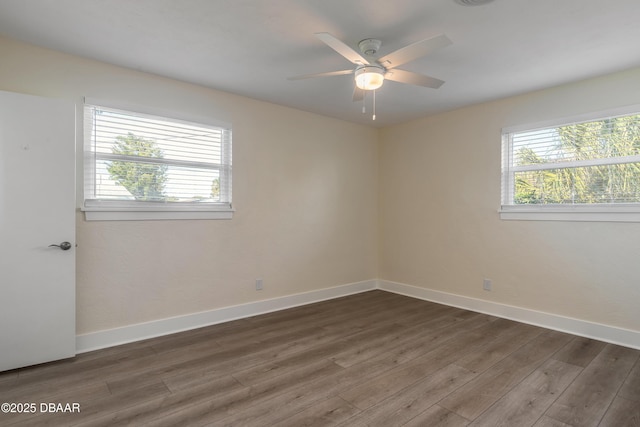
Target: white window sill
x=571, y=213
x=113, y=213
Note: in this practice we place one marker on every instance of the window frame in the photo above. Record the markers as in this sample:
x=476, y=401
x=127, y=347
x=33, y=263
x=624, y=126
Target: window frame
x=135, y=210
x=614, y=212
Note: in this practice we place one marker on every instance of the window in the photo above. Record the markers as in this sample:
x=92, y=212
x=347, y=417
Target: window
x=576, y=170
x=139, y=166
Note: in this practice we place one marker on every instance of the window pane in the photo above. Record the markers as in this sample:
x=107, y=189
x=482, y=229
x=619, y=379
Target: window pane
x=137, y=157
x=586, y=185
x=120, y=180
x=175, y=140
x=540, y=146
x=593, y=163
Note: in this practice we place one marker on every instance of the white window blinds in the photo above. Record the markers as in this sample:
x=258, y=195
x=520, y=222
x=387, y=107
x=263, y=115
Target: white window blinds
x=135, y=160
x=592, y=163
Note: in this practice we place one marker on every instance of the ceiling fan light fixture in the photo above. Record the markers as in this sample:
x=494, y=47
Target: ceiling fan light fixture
x=369, y=77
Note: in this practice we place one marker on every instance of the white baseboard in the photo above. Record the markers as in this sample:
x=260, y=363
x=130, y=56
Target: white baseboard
x=126, y=334
x=610, y=334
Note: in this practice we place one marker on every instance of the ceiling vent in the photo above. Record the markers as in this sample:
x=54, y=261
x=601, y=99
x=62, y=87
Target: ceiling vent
x=472, y=2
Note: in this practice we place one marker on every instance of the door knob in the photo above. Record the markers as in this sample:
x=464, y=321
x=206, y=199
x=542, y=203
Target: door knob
x=65, y=246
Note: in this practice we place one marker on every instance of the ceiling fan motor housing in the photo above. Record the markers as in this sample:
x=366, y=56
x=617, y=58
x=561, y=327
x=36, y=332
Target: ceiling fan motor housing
x=369, y=46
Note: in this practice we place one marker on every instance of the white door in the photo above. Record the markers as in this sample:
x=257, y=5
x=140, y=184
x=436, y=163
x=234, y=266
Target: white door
x=37, y=209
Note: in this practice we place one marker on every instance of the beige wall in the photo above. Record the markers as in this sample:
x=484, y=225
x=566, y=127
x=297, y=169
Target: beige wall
x=304, y=189
x=319, y=202
x=439, y=199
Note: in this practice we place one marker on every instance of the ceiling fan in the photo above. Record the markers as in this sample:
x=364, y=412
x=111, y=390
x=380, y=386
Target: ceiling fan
x=371, y=73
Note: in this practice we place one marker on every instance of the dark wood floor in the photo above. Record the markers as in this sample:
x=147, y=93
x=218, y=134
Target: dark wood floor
x=375, y=358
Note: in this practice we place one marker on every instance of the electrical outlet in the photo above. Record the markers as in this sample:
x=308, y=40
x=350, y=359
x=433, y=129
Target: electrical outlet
x=258, y=284
x=486, y=285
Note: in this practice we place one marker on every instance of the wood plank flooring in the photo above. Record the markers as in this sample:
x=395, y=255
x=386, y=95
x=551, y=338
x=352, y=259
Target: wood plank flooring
x=371, y=359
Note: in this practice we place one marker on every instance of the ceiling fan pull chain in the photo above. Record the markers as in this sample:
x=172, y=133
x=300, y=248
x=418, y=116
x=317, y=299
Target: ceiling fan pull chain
x=364, y=102
x=374, y=104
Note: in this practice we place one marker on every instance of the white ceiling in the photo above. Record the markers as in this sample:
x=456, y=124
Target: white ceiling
x=250, y=47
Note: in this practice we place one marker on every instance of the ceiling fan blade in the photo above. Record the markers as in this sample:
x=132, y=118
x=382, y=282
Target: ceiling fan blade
x=358, y=94
x=342, y=48
x=409, y=77
x=327, y=74
x=414, y=51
